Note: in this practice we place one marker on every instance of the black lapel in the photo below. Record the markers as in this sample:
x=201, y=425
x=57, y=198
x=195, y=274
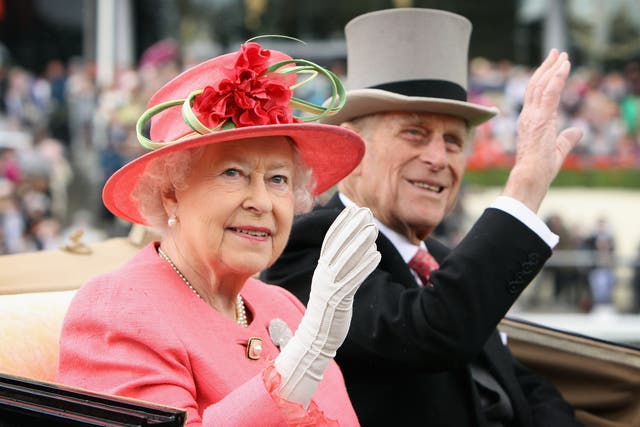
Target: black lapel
x=500, y=364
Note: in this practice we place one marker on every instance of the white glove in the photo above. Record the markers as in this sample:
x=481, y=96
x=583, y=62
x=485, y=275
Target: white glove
x=348, y=255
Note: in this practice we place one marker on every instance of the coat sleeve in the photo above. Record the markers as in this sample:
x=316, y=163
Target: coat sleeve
x=397, y=325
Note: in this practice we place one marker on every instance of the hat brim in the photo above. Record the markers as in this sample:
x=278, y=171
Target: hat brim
x=331, y=152
x=362, y=102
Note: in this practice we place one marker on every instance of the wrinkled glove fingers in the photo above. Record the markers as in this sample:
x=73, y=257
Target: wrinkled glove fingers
x=344, y=227
x=351, y=254
x=354, y=277
x=343, y=231
x=338, y=225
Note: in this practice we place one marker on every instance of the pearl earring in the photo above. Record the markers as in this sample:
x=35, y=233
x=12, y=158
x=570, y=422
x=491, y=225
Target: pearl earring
x=172, y=220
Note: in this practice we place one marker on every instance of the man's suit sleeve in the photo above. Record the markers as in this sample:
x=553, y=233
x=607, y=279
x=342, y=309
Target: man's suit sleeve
x=397, y=324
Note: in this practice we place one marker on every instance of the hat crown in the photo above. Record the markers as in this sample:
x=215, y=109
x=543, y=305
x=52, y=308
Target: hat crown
x=407, y=44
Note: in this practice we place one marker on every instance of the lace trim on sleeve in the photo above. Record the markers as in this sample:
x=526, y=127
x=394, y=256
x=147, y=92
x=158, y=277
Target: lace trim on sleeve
x=293, y=412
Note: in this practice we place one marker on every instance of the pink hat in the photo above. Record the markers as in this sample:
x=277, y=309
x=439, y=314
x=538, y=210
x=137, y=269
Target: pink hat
x=244, y=94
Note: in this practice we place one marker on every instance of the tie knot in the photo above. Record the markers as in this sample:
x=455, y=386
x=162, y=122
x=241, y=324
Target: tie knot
x=423, y=264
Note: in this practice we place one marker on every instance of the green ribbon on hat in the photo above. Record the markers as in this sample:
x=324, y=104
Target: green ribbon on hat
x=300, y=66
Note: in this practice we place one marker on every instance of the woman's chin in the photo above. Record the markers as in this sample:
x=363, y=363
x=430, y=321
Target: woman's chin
x=250, y=268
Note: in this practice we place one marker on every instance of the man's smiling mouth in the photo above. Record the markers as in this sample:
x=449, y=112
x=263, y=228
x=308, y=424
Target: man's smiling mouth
x=425, y=186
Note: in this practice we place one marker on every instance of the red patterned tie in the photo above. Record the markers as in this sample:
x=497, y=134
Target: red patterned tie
x=423, y=264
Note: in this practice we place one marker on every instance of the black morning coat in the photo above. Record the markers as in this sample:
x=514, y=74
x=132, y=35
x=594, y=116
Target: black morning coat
x=407, y=355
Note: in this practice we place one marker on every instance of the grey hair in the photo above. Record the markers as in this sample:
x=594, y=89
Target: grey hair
x=171, y=171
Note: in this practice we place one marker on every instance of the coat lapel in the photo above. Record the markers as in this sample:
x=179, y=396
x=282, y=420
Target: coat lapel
x=499, y=361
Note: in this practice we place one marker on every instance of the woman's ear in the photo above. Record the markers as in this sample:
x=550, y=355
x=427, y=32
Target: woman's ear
x=169, y=201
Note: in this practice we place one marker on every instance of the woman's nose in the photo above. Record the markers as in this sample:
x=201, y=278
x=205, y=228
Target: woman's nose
x=258, y=198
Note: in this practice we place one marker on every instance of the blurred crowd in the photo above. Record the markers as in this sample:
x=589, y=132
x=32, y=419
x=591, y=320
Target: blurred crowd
x=583, y=270
x=605, y=105
x=62, y=135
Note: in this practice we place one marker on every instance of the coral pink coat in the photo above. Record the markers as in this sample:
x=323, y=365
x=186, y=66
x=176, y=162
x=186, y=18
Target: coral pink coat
x=141, y=332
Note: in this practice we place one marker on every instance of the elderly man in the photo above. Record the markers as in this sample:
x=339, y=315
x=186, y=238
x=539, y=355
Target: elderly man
x=423, y=348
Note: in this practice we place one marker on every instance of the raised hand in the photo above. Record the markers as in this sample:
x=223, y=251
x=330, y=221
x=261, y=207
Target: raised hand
x=347, y=257
x=541, y=150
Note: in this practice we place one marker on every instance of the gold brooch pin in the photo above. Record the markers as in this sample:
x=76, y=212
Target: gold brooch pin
x=254, y=348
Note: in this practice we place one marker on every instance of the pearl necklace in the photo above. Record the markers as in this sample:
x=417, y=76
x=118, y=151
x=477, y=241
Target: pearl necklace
x=241, y=312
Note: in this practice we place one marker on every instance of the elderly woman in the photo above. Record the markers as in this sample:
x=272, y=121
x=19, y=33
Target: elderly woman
x=184, y=323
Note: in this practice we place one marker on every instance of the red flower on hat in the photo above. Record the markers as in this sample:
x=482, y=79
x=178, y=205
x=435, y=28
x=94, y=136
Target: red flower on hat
x=252, y=87
x=246, y=96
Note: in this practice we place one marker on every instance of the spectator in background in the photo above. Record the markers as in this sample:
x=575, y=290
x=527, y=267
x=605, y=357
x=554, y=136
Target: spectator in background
x=158, y=64
x=602, y=276
x=54, y=78
x=81, y=98
x=60, y=174
x=12, y=220
x=635, y=282
x=630, y=104
x=11, y=224
x=9, y=164
x=26, y=104
x=5, y=66
x=566, y=287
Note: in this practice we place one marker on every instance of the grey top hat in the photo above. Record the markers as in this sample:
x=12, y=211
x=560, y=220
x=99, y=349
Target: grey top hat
x=409, y=59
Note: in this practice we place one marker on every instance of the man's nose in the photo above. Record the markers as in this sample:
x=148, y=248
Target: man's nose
x=434, y=153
